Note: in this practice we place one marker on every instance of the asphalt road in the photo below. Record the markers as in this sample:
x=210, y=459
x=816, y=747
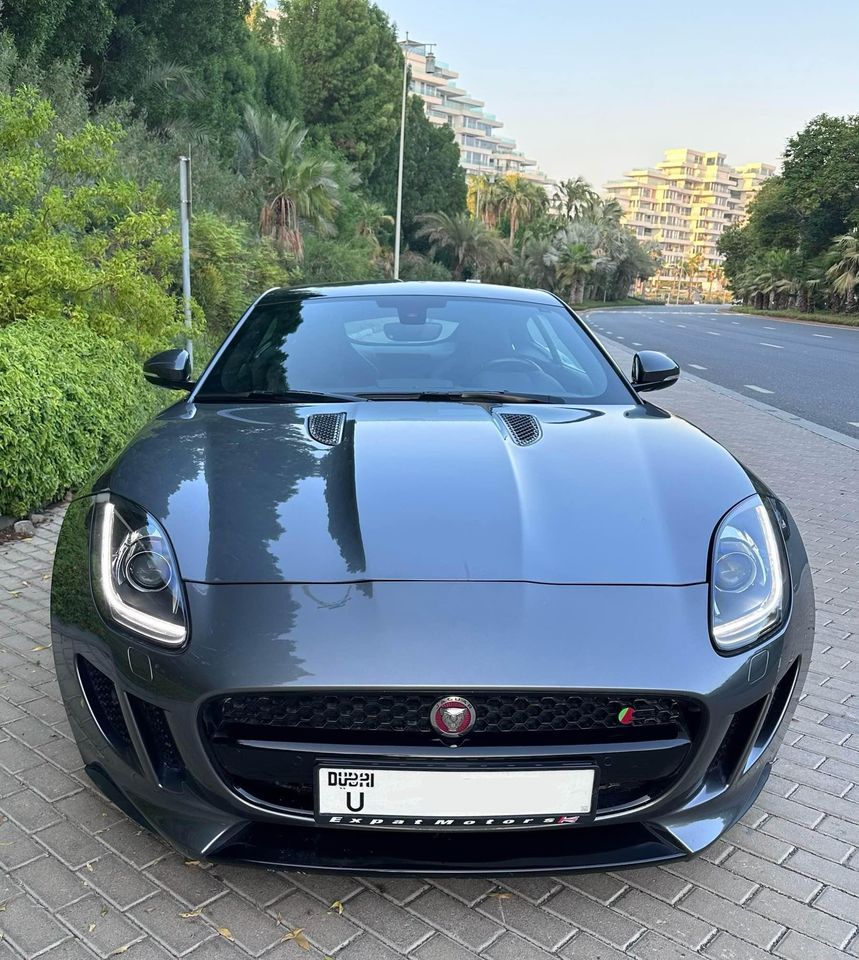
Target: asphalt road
x=807, y=369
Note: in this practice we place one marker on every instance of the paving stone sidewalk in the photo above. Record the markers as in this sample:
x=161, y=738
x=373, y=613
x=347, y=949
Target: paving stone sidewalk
x=79, y=880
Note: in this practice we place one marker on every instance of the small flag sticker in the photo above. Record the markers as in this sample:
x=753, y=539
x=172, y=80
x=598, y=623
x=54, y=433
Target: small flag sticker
x=626, y=716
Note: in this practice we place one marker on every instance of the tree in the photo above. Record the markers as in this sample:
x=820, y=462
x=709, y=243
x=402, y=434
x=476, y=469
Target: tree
x=433, y=180
x=573, y=197
x=295, y=186
x=575, y=262
x=46, y=30
x=123, y=42
x=351, y=73
x=470, y=244
x=538, y=262
x=821, y=179
x=844, y=272
x=691, y=267
x=517, y=200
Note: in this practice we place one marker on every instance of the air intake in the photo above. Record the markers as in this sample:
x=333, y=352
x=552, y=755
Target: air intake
x=103, y=701
x=524, y=429
x=326, y=428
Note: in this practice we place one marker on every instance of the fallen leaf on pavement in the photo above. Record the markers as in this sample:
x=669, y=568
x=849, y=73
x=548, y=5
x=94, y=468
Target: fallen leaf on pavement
x=298, y=936
x=225, y=933
x=337, y=905
x=192, y=913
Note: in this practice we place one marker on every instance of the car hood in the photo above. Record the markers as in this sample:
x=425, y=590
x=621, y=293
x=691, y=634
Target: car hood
x=431, y=491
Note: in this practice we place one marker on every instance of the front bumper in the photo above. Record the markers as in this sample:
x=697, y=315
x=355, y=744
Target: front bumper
x=137, y=713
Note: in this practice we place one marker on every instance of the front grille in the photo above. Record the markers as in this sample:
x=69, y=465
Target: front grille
x=502, y=717
x=268, y=746
x=326, y=428
x=524, y=428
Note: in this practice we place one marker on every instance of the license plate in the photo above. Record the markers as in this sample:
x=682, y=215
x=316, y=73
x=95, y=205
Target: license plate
x=447, y=799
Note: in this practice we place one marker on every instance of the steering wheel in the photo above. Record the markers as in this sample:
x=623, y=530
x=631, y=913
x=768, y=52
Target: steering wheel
x=517, y=364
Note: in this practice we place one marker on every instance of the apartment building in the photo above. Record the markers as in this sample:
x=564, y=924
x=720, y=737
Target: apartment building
x=685, y=203
x=482, y=149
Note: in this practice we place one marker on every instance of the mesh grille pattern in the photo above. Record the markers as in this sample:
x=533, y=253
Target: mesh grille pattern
x=104, y=703
x=524, y=429
x=504, y=713
x=157, y=736
x=326, y=428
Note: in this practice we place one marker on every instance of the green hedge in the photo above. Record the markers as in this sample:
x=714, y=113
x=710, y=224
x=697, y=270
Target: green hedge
x=69, y=400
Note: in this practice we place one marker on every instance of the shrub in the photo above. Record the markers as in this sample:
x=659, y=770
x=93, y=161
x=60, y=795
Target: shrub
x=334, y=260
x=415, y=266
x=69, y=400
x=78, y=239
x=230, y=268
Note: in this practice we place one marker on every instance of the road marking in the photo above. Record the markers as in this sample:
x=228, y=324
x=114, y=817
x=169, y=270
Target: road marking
x=736, y=323
x=823, y=336
x=696, y=366
x=751, y=386
x=714, y=334
x=775, y=346
x=635, y=343
x=769, y=328
x=683, y=325
x=854, y=423
x=619, y=337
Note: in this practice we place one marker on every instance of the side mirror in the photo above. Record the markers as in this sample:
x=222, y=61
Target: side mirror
x=171, y=369
x=653, y=371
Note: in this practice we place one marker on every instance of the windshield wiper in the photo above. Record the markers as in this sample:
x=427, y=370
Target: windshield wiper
x=469, y=396
x=278, y=396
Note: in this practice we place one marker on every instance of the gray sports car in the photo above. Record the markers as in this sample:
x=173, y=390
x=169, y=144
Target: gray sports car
x=414, y=580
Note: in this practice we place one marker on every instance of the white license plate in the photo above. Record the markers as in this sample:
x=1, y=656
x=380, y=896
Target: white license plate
x=365, y=796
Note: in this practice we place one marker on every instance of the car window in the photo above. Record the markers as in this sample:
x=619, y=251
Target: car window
x=414, y=343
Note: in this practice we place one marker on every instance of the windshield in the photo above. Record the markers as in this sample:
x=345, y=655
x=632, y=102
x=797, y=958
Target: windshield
x=413, y=344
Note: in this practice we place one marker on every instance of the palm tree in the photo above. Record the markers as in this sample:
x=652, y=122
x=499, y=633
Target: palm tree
x=575, y=261
x=295, y=187
x=573, y=197
x=371, y=221
x=843, y=274
x=538, y=262
x=470, y=243
x=691, y=268
x=519, y=199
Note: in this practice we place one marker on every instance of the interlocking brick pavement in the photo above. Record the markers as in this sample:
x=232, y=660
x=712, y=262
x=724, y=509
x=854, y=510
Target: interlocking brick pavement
x=79, y=880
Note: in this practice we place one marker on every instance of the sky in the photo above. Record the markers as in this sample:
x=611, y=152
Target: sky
x=597, y=87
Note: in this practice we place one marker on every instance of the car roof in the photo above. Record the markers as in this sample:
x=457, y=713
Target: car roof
x=410, y=288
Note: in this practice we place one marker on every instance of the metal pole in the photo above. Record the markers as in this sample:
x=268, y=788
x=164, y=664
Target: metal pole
x=399, y=220
x=184, y=221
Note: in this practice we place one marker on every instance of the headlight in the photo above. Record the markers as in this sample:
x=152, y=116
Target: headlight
x=134, y=573
x=749, y=580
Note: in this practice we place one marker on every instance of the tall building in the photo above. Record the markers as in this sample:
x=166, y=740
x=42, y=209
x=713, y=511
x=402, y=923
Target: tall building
x=684, y=204
x=482, y=150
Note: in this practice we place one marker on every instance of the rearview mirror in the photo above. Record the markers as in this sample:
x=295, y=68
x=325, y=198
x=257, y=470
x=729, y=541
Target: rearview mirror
x=171, y=369
x=652, y=370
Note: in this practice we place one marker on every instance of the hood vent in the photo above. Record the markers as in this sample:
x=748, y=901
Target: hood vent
x=326, y=428
x=524, y=428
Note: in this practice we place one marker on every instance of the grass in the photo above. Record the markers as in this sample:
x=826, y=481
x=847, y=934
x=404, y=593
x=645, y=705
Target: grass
x=819, y=316
x=608, y=304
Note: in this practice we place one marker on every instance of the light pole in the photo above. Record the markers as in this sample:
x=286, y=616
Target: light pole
x=184, y=223
x=398, y=227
